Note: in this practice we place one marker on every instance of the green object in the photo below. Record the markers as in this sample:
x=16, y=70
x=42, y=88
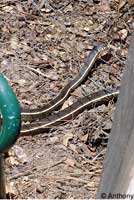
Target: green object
x=11, y=117
x=10, y=125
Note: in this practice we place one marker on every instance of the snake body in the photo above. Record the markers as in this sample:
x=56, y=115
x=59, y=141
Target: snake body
x=40, y=113
x=96, y=99
x=45, y=120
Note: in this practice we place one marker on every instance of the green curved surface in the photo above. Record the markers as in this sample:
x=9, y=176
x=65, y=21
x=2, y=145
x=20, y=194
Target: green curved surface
x=11, y=117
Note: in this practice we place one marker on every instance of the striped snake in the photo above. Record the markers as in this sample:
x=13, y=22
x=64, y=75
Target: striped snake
x=47, y=120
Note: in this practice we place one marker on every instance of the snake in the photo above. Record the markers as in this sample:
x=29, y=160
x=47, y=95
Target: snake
x=51, y=122
x=43, y=117
x=40, y=113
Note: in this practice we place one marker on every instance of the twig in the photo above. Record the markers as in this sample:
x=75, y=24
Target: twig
x=102, y=152
x=36, y=71
x=27, y=173
x=55, y=164
x=67, y=178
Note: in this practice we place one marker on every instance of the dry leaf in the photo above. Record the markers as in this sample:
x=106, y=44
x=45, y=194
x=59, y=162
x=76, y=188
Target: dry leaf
x=68, y=8
x=24, y=101
x=108, y=125
x=20, y=8
x=131, y=1
x=21, y=82
x=38, y=61
x=85, y=150
x=104, y=7
x=66, y=138
x=14, y=42
x=13, y=161
x=83, y=138
x=70, y=162
x=121, y=4
x=73, y=147
x=123, y=52
x=7, y=9
x=11, y=157
x=67, y=103
x=19, y=152
x=52, y=75
x=11, y=190
x=123, y=34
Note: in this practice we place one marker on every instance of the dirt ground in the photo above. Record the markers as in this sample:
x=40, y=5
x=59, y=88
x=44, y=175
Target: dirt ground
x=43, y=45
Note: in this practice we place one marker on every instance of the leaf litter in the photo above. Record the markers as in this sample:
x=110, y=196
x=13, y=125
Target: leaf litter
x=43, y=45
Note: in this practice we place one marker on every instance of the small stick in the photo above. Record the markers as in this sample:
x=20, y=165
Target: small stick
x=2, y=178
x=36, y=71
